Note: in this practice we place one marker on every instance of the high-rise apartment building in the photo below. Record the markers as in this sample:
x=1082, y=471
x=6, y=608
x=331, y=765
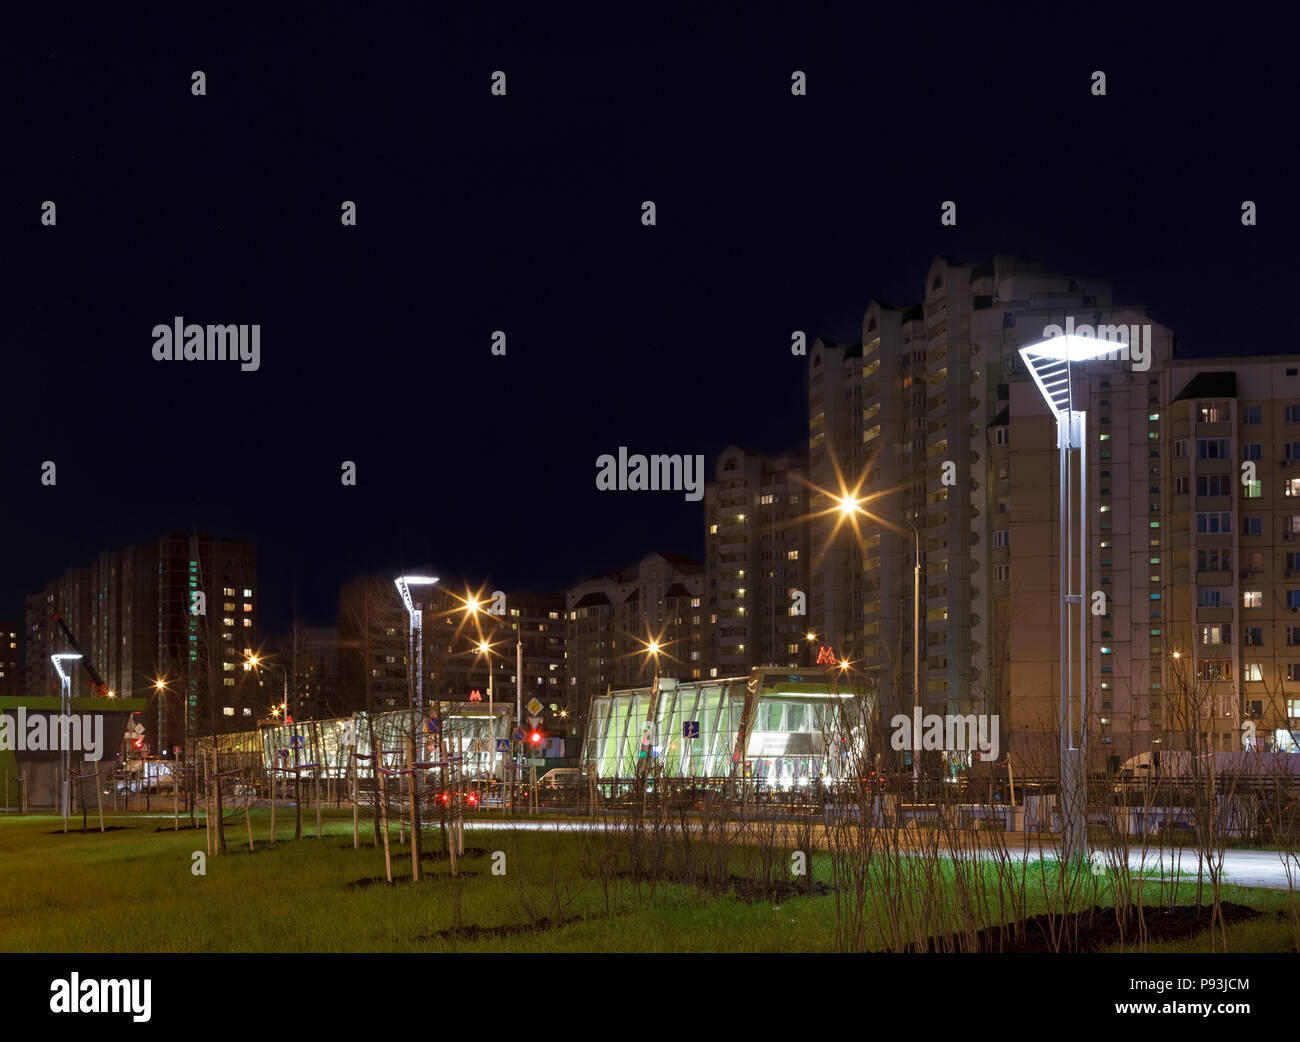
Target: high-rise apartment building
x=932, y=427
x=612, y=618
x=1231, y=588
x=135, y=614
x=756, y=561
x=11, y=659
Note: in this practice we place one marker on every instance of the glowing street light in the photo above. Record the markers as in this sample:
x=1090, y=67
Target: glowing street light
x=1048, y=362
x=65, y=707
x=416, y=635
x=484, y=648
x=851, y=505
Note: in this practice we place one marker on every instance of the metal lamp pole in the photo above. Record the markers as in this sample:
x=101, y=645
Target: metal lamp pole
x=848, y=505
x=65, y=707
x=416, y=635
x=1048, y=362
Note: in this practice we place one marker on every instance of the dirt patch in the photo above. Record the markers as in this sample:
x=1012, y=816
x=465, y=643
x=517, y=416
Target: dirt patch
x=752, y=890
x=1088, y=930
x=438, y=855
x=362, y=884
x=474, y=933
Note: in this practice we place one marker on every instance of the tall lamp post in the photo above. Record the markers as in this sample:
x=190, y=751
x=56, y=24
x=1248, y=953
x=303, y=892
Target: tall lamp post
x=484, y=648
x=65, y=707
x=416, y=637
x=1048, y=362
x=849, y=505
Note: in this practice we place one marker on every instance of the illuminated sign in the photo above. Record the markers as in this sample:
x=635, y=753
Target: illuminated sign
x=825, y=655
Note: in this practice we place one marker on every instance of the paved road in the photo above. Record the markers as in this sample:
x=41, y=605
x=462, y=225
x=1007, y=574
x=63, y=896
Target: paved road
x=1262, y=868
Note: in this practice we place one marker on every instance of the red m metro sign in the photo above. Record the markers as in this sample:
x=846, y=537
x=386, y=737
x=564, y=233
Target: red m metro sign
x=825, y=655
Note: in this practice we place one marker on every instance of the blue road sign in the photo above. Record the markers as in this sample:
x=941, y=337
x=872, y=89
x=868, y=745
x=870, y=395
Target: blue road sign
x=517, y=734
x=295, y=741
x=433, y=725
x=503, y=745
x=691, y=729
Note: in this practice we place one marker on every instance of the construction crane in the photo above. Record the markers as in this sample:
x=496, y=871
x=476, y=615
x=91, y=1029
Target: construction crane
x=97, y=685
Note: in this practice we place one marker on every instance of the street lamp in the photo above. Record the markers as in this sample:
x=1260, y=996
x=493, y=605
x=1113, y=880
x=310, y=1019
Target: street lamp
x=1048, y=362
x=416, y=637
x=484, y=648
x=65, y=707
x=255, y=662
x=473, y=607
x=848, y=506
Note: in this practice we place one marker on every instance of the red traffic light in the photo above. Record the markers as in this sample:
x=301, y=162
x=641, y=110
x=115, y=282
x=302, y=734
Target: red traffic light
x=139, y=743
x=536, y=738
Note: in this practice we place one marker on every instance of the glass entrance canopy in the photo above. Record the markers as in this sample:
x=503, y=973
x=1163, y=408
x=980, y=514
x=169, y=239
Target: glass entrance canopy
x=789, y=726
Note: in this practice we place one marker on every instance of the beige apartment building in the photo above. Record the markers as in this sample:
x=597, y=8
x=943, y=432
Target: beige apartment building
x=756, y=562
x=1231, y=655
x=935, y=417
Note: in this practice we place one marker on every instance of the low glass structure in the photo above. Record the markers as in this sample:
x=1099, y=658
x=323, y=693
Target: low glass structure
x=783, y=727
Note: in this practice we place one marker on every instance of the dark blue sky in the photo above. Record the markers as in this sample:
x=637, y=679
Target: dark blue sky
x=522, y=213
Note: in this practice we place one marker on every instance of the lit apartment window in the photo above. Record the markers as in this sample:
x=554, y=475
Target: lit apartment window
x=792, y=555
x=1216, y=412
x=248, y=592
x=228, y=606
x=227, y=622
x=227, y=591
x=248, y=623
x=1252, y=672
x=1291, y=487
x=713, y=529
x=248, y=607
x=1252, y=599
x=227, y=710
x=1255, y=490
x=247, y=711
x=1218, y=634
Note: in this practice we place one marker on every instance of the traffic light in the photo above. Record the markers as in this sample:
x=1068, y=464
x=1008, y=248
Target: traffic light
x=536, y=738
x=138, y=743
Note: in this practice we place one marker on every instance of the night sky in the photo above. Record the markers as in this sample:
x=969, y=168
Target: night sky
x=523, y=213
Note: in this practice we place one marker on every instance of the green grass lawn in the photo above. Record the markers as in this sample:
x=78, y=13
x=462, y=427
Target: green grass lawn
x=134, y=891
